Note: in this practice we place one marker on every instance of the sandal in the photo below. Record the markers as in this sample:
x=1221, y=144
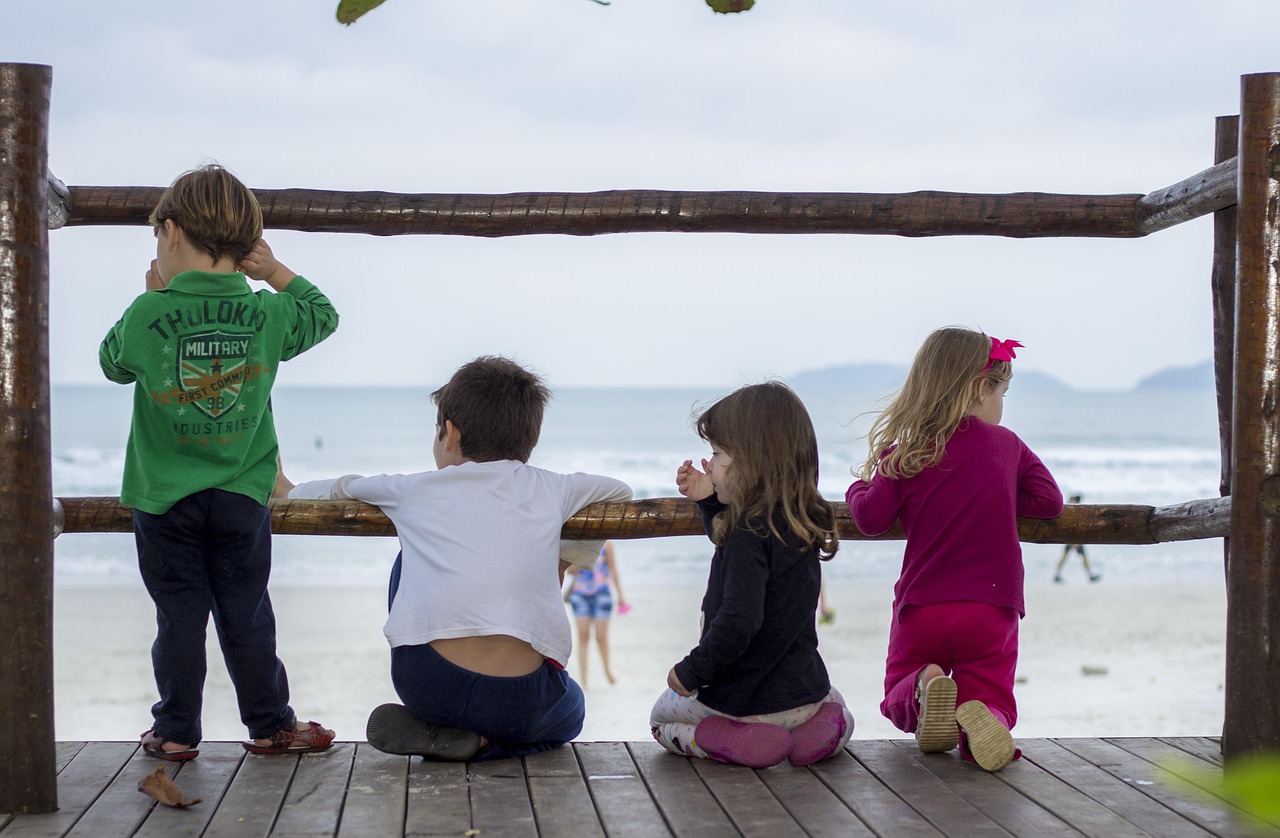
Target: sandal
x=153, y=745
x=290, y=740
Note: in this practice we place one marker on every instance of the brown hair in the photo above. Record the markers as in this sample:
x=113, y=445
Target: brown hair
x=217, y=213
x=945, y=377
x=497, y=405
x=768, y=433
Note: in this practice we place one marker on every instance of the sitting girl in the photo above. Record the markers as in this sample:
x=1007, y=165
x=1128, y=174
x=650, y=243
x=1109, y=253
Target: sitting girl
x=755, y=690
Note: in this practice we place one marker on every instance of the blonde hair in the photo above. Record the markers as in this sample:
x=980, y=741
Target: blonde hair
x=217, y=213
x=768, y=433
x=946, y=376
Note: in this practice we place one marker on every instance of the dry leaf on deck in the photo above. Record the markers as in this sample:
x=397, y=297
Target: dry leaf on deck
x=158, y=785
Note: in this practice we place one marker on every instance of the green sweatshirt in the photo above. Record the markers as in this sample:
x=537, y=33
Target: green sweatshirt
x=204, y=353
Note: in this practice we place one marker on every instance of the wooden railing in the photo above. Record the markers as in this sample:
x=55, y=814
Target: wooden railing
x=663, y=517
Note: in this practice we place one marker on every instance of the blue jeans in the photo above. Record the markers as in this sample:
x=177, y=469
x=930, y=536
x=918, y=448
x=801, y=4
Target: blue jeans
x=211, y=554
x=522, y=715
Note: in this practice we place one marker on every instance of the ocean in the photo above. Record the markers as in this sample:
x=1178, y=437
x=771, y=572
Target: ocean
x=1153, y=447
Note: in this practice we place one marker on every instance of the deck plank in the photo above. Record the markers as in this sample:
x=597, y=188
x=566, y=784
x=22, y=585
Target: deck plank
x=500, y=802
x=80, y=783
x=313, y=805
x=1125, y=800
x=921, y=790
x=562, y=804
x=816, y=808
x=1001, y=802
x=254, y=798
x=746, y=799
x=877, y=805
x=691, y=811
x=121, y=808
x=1116, y=787
x=621, y=797
x=1190, y=781
x=64, y=752
x=1068, y=803
x=205, y=778
x=1201, y=747
x=438, y=801
x=375, y=803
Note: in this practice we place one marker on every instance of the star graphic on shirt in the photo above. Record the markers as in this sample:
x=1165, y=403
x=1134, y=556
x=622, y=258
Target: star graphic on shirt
x=239, y=408
x=182, y=411
x=168, y=382
x=166, y=349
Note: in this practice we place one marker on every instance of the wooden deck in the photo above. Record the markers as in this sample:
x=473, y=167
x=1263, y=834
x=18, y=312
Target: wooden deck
x=1108, y=787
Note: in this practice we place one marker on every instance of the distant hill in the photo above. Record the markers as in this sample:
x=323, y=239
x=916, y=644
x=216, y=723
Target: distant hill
x=1198, y=377
x=863, y=377
x=885, y=378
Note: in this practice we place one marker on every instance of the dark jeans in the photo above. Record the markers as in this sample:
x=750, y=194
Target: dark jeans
x=523, y=715
x=211, y=554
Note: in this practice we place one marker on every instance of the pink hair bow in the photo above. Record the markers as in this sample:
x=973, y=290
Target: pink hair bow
x=1001, y=350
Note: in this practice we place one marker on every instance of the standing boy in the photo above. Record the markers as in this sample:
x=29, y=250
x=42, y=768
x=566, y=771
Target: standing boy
x=202, y=350
x=478, y=632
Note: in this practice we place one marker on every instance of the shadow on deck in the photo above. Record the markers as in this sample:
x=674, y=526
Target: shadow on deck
x=1105, y=787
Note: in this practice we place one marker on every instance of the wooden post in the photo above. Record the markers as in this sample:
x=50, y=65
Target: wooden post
x=28, y=780
x=1253, y=585
x=1223, y=288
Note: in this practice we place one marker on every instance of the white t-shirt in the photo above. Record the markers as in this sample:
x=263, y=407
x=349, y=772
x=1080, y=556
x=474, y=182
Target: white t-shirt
x=481, y=548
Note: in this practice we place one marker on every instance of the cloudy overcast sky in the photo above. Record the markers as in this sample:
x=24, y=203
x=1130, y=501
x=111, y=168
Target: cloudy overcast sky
x=493, y=96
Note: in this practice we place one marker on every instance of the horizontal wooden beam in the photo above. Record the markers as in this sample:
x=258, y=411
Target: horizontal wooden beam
x=662, y=517
x=1201, y=194
x=1016, y=215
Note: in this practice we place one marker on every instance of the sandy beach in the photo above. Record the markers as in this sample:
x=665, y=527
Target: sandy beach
x=1155, y=651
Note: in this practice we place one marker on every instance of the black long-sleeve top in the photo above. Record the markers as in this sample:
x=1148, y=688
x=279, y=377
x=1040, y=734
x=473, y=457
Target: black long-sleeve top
x=759, y=647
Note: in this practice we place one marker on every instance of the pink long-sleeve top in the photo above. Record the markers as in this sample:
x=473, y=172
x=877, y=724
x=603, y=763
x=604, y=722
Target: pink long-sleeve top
x=960, y=517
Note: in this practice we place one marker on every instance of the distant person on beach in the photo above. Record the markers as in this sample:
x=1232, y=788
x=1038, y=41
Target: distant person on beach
x=1079, y=548
x=592, y=602
x=202, y=350
x=941, y=464
x=826, y=614
x=755, y=691
x=478, y=631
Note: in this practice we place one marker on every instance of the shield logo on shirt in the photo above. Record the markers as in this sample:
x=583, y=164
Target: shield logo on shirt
x=211, y=370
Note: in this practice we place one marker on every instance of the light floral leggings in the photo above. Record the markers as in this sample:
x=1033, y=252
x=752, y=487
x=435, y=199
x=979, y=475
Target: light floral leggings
x=674, y=718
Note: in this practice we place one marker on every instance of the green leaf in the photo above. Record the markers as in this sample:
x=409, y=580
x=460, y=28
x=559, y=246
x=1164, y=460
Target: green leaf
x=725, y=7
x=349, y=11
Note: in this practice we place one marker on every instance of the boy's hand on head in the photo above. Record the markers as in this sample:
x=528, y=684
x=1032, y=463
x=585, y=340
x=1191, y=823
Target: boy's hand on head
x=261, y=264
x=673, y=681
x=154, y=280
x=693, y=484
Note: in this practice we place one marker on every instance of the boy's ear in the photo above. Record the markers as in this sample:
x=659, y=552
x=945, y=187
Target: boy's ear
x=172, y=234
x=452, y=436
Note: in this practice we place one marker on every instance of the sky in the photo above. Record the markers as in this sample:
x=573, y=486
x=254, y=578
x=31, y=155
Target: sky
x=499, y=96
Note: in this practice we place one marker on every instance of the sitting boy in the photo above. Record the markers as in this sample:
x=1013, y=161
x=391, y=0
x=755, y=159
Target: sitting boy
x=478, y=632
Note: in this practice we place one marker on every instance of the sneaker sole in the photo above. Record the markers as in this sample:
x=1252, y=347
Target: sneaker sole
x=989, y=741
x=393, y=729
x=819, y=737
x=742, y=743
x=936, y=729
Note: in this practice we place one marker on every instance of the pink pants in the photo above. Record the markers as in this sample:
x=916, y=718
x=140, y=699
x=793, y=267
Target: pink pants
x=975, y=643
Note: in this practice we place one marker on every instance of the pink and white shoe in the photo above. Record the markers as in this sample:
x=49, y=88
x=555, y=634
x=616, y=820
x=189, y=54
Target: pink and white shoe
x=819, y=737
x=742, y=743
